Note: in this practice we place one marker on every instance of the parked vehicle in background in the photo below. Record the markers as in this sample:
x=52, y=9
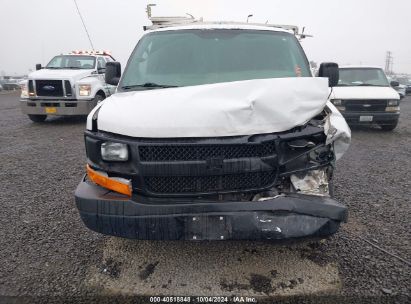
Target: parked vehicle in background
x=364, y=96
x=405, y=81
x=70, y=84
x=10, y=84
x=1, y=87
x=204, y=141
x=400, y=88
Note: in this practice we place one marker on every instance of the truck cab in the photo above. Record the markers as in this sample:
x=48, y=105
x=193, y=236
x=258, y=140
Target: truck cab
x=364, y=96
x=70, y=84
x=216, y=131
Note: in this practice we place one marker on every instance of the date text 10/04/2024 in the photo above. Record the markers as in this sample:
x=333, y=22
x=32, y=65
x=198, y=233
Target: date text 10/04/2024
x=203, y=299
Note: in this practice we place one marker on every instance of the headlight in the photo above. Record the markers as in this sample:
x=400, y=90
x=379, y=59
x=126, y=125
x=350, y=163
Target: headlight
x=85, y=90
x=336, y=102
x=24, y=91
x=393, y=102
x=112, y=151
x=392, y=109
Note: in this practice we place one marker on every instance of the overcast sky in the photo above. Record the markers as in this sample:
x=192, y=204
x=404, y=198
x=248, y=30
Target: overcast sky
x=345, y=31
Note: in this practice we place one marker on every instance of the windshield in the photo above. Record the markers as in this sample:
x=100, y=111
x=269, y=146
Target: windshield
x=362, y=77
x=72, y=62
x=195, y=57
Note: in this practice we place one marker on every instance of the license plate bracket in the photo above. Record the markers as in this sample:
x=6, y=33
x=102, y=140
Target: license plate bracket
x=214, y=227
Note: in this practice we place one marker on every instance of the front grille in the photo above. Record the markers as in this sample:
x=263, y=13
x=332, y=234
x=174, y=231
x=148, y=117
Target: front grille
x=204, y=152
x=207, y=184
x=193, y=167
x=67, y=87
x=365, y=105
x=49, y=88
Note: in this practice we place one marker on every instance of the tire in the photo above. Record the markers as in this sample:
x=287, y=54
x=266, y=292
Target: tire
x=37, y=118
x=389, y=127
x=99, y=98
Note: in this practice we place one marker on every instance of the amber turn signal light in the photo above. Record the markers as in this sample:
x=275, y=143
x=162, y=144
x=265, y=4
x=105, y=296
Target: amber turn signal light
x=108, y=183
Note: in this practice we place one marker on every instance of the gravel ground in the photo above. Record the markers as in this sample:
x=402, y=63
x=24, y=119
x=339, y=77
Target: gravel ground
x=47, y=252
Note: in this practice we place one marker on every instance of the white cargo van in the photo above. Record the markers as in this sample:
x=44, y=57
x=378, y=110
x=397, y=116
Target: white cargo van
x=364, y=96
x=216, y=131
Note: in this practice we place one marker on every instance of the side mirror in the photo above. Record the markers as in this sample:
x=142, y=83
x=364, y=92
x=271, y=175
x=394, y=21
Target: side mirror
x=38, y=66
x=330, y=70
x=394, y=83
x=113, y=72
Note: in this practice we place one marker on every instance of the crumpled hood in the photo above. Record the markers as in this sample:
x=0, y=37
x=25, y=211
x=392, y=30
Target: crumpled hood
x=59, y=74
x=364, y=92
x=215, y=110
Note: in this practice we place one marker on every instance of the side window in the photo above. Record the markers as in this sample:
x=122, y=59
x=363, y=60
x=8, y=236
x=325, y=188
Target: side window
x=101, y=65
x=56, y=62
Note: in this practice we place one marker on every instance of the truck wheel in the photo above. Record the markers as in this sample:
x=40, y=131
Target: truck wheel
x=98, y=98
x=389, y=127
x=37, y=118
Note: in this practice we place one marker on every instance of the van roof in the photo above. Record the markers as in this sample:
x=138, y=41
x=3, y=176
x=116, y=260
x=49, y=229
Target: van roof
x=359, y=67
x=222, y=25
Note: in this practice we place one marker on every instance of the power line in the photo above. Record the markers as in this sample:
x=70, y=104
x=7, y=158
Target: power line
x=85, y=28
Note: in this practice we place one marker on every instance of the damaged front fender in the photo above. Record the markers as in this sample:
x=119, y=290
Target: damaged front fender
x=337, y=130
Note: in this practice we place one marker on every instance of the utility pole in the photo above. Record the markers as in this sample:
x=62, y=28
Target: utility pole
x=389, y=61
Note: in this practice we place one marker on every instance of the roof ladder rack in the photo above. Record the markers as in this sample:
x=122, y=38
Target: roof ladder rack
x=164, y=22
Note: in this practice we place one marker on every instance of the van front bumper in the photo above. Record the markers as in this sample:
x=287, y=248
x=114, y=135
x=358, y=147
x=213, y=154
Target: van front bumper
x=381, y=118
x=56, y=107
x=292, y=216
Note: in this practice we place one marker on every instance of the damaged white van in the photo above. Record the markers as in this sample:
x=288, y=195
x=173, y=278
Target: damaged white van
x=216, y=131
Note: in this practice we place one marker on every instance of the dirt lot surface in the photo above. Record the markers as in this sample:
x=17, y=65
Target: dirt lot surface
x=46, y=251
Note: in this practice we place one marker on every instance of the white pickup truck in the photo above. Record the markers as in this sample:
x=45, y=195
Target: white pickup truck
x=70, y=84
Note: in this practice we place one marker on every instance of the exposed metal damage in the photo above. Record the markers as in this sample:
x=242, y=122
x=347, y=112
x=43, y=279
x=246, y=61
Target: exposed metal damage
x=313, y=182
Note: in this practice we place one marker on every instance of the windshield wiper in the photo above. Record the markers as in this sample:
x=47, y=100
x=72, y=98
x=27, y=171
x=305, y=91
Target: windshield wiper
x=53, y=68
x=150, y=85
x=369, y=85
